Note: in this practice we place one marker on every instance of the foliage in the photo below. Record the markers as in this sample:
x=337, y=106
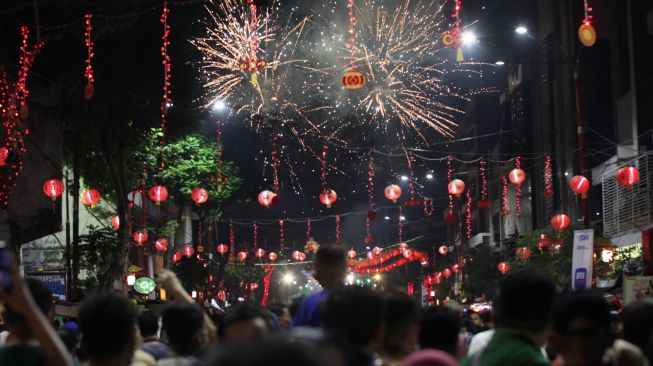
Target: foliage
x=100, y=253
x=481, y=272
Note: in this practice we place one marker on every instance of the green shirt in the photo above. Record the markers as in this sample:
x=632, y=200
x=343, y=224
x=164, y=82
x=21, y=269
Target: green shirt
x=506, y=349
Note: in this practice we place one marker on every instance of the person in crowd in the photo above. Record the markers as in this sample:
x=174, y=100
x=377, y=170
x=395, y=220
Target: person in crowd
x=638, y=325
x=244, y=321
x=26, y=304
x=329, y=270
x=439, y=329
x=294, y=306
x=401, y=336
x=183, y=323
x=70, y=340
x=523, y=313
x=479, y=341
x=430, y=357
x=108, y=326
x=271, y=351
x=478, y=320
x=148, y=324
x=356, y=315
x=281, y=313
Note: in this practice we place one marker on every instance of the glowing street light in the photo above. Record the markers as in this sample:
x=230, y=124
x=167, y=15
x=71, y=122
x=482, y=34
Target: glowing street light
x=499, y=63
x=521, y=30
x=404, y=178
x=219, y=106
x=288, y=278
x=429, y=176
x=469, y=38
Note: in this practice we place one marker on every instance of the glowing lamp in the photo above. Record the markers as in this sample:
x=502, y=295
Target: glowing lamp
x=265, y=198
x=328, y=197
x=259, y=253
x=587, y=34
x=131, y=279
x=351, y=254
x=199, y=195
x=517, y=176
x=272, y=256
x=115, y=222
x=222, y=248
x=53, y=188
x=241, y=256
x=627, y=176
x=353, y=80
x=443, y=249
x=140, y=237
x=188, y=251
x=91, y=197
x=392, y=192
x=456, y=187
x=158, y=194
x=560, y=222
x=503, y=267
x=579, y=185
x=161, y=244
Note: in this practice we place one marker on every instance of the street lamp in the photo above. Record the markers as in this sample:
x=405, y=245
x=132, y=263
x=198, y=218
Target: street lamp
x=521, y=30
x=288, y=278
x=404, y=178
x=499, y=63
x=429, y=176
x=469, y=38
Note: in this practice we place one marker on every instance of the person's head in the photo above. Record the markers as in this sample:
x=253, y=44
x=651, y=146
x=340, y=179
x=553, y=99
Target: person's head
x=401, y=324
x=282, y=313
x=638, y=325
x=581, y=328
x=16, y=323
x=439, y=329
x=477, y=319
x=330, y=266
x=108, y=323
x=148, y=324
x=357, y=315
x=525, y=303
x=270, y=351
x=244, y=321
x=183, y=323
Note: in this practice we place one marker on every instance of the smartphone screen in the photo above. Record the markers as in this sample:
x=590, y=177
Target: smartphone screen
x=5, y=275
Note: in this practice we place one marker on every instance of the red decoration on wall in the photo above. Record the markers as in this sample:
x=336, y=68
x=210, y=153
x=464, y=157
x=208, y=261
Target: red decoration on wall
x=53, y=188
x=627, y=176
x=91, y=197
x=517, y=177
x=560, y=222
x=89, y=74
x=199, y=195
x=548, y=178
x=158, y=194
x=579, y=185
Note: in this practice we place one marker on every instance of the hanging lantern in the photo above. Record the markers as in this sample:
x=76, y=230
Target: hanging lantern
x=176, y=257
x=483, y=204
x=161, y=244
x=371, y=215
x=222, y=248
x=451, y=218
x=456, y=187
x=579, y=185
x=560, y=222
x=140, y=237
x=443, y=249
x=353, y=80
x=587, y=34
x=446, y=273
x=199, y=195
x=407, y=253
x=517, y=176
x=503, y=267
x=403, y=247
x=351, y=254
x=370, y=255
x=523, y=253
x=259, y=253
x=627, y=176
x=328, y=197
x=265, y=198
x=295, y=255
x=115, y=222
x=272, y=256
x=455, y=268
x=53, y=188
x=428, y=280
x=241, y=256
x=4, y=154
x=158, y=194
x=200, y=249
x=89, y=90
x=302, y=256
x=376, y=251
x=393, y=192
x=548, y=193
x=188, y=251
x=91, y=197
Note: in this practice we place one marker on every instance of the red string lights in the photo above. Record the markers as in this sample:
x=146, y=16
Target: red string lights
x=458, y=6
x=167, y=92
x=468, y=216
x=89, y=74
x=504, y=197
x=428, y=206
x=586, y=32
x=266, y=284
x=308, y=228
x=255, y=235
x=275, y=164
x=401, y=224
x=370, y=199
x=281, y=238
x=352, y=34
x=548, y=178
x=338, y=229
x=232, y=239
x=449, y=173
x=518, y=189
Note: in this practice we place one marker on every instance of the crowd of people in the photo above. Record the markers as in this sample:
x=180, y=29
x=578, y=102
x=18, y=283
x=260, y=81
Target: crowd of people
x=531, y=324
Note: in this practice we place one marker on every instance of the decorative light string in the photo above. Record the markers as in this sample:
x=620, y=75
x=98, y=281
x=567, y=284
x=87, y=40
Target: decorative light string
x=220, y=179
x=548, y=177
x=275, y=164
x=449, y=173
x=411, y=181
x=281, y=238
x=587, y=9
x=428, y=206
x=323, y=168
x=25, y=62
x=167, y=91
x=232, y=239
x=504, y=197
x=351, y=30
x=308, y=228
x=401, y=224
x=370, y=181
x=483, y=174
x=255, y=234
x=338, y=229
x=89, y=74
x=266, y=285
x=518, y=189
x=468, y=216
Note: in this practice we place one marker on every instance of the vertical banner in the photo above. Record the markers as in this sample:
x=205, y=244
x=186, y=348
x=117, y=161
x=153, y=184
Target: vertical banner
x=582, y=259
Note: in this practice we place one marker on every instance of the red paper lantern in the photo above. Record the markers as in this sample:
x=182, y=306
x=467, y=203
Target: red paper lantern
x=158, y=194
x=446, y=273
x=548, y=193
x=241, y=256
x=115, y=222
x=302, y=256
x=53, y=188
x=560, y=222
x=407, y=253
x=517, y=176
x=393, y=192
x=579, y=185
x=483, y=204
x=161, y=244
x=627, y=176
x=328, y=197
x=544, y=241
x=451, y=218
x=140, y=237
x=4, y=154
x=265, y=198
x=523, y=253
x=272, y=256
x=176, y=257
x=259, y=253
x=503, y=267
x=353, y=80
x=295, y=255
x=199, y=195
x=188, y=251
x=376, y=251
x=455, y=268
x=456, y=187
x=443, y=249
x=587, y=34
x=351, y=254
x=222, y=248
x=403, y=247
x=91, y=197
